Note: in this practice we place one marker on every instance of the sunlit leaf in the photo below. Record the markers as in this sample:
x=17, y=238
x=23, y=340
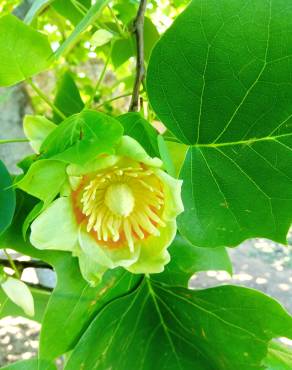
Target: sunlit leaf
x=81, y=137
x=89, y=18
x=227, y=93
x=24, y=51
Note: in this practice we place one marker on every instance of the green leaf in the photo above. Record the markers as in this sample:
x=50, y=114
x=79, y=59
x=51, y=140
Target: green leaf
x=31, y=364
x=68, y=98
x=82, y=136
x=141, y=130
x=69, y=11
x=7, y=198
x=186, y=260
x=36, y=129
x=44, y=179
x=126, y=9
x=165, y=156
x=89, y=18
x=24, y=52
x=101, y=37
x=8, y=308
x=279, y=357
x=233, y=107
x=223, y=328
x=74, y=304
x=37, y=7
x=123, y=49
x=177, y=153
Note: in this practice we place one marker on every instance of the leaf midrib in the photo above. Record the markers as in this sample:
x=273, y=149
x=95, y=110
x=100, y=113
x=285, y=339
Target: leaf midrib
x=242, y=142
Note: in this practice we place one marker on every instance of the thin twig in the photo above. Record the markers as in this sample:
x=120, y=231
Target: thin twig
x=8, y=141
x=113, y=99
x=140, y=68
x=44, y=97
x=12, y=263
x=101, y=77
x=21, y=265
x=119, y=28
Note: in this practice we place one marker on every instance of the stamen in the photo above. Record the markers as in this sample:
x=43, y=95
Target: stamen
x=123, y=205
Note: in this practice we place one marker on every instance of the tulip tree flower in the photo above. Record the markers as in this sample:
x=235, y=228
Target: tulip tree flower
x=115, y=210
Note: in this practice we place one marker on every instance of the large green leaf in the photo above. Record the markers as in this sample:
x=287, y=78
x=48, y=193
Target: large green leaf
x=74, y=304
x=186, y=260
x=89, y=18
x=223, y=328
x=229, y=60
x=81, y=137
x=24, y=52
x=68, y=98
x=7, y=198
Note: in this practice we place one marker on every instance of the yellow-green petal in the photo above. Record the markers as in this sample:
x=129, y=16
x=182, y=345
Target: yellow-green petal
x=91, y=270
x=172, y=195
x=154, y=255
x=104, y=255
x=55, y=228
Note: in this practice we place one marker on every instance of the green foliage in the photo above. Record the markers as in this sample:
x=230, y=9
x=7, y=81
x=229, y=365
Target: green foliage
x=68, y=98
x=181, y=329
x=85, y=22
x=279, y=357
x=228, y=108
x=74, y=304
x=187, y=259
x=219, y=80
x=138, y=128
x=125, y=48
x=24, y=52
x=81, y=137
x=7, y=198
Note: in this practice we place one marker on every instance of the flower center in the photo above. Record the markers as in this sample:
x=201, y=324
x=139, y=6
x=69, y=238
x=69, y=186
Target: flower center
x=119, y=199
x=121, y=205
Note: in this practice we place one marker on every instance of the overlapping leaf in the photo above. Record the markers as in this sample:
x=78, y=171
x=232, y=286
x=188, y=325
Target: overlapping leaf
x=81, y=137
x=141, y=130
x=229, y=60
x=222, y=328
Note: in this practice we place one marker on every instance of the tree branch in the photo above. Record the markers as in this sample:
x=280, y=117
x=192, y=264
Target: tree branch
x=21, y=265
x=138, y=29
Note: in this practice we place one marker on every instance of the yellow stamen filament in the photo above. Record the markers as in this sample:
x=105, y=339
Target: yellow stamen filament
x=123, y=205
